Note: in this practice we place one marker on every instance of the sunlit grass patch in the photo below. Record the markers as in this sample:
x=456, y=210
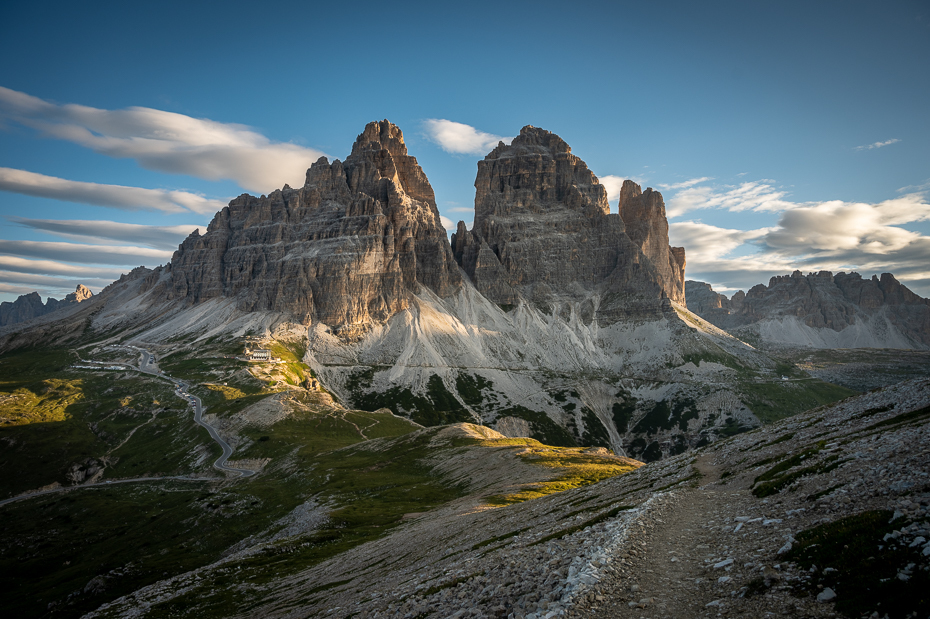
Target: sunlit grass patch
x=228, y=393
x=576, y=467
x=40, y=402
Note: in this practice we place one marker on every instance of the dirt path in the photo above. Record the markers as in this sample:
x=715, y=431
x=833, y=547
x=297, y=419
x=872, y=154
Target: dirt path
x=698, y=556
x=667, y=561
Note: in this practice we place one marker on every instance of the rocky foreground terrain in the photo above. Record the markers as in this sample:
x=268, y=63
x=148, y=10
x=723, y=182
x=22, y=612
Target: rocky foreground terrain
x=823, y=514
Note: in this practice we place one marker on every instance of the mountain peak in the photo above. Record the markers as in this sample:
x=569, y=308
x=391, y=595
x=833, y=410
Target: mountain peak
x=543, y=230
x=81, y=293
x=380, y=135
x=347, y=249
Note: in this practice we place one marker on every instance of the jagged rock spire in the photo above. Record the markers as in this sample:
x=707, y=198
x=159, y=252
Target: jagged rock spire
x=646, y=224
x=346, y=249
x=543, y=230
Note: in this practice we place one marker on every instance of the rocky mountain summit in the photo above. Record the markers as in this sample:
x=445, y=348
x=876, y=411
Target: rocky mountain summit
x=551, y=318
x=544, y=232
x=710, y=305
x=821, y=310
x=29, y=306
x=346, y=249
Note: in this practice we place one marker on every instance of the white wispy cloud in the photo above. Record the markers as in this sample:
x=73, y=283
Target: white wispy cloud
x=83, y=253
x=167, y=141
x=112, y=196
x=703, y=242
x=685, y=184
x=833, y=236
x=53, y=267
x=613, y=184
x=447, y=223
x=158, y=237
x=748, y=196
x=878, y=144
x=925, y=186
x=461, y=209
x=461, y=139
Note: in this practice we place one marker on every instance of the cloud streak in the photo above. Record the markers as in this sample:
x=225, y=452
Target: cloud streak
x=51, y=278
x=110, y=196
x=461, y=139
x=56, y=283
x=87, y=254
x=52, y=267
x=748, y=196
x=878, y=144
x=685, y=184
x=157, y=237
x=166, y=141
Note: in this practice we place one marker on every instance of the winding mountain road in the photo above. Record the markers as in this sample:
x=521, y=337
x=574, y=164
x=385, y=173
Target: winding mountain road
x=149, y=366
x=109, y=482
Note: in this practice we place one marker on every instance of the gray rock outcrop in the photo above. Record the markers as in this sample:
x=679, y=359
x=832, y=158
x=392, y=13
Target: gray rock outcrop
x=707, y=303
x=544, y=232
x=646, y=223
x=346, y=249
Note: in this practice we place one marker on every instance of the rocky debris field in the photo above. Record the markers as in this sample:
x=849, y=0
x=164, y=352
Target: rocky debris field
x=824, y=514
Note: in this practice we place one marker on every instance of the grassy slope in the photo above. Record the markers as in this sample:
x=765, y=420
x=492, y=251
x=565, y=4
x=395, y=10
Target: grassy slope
x=368, y=491
x=64, y=416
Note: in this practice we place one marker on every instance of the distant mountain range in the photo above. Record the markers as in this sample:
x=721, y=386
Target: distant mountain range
x=819, y=310
x=29, y=306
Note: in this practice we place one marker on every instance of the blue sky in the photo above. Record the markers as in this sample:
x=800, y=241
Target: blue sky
x=782, y=135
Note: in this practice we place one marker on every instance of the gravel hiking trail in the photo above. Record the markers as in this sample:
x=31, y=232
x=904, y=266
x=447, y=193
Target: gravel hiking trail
x=668, y=558
x=689, y=561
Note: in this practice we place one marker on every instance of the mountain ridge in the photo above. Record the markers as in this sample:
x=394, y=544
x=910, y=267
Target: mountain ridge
x=545, y=320
x=29, y=306
x=821, y=310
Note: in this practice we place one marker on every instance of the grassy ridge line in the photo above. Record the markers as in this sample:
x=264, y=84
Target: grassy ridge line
x=575, y=467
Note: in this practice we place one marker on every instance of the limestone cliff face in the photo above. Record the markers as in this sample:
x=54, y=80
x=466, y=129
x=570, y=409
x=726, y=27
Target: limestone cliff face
x=29, y=306
x=706, y=303
x=346, y=249
x=544, y=231
x=646, y=223
x=823, y=301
